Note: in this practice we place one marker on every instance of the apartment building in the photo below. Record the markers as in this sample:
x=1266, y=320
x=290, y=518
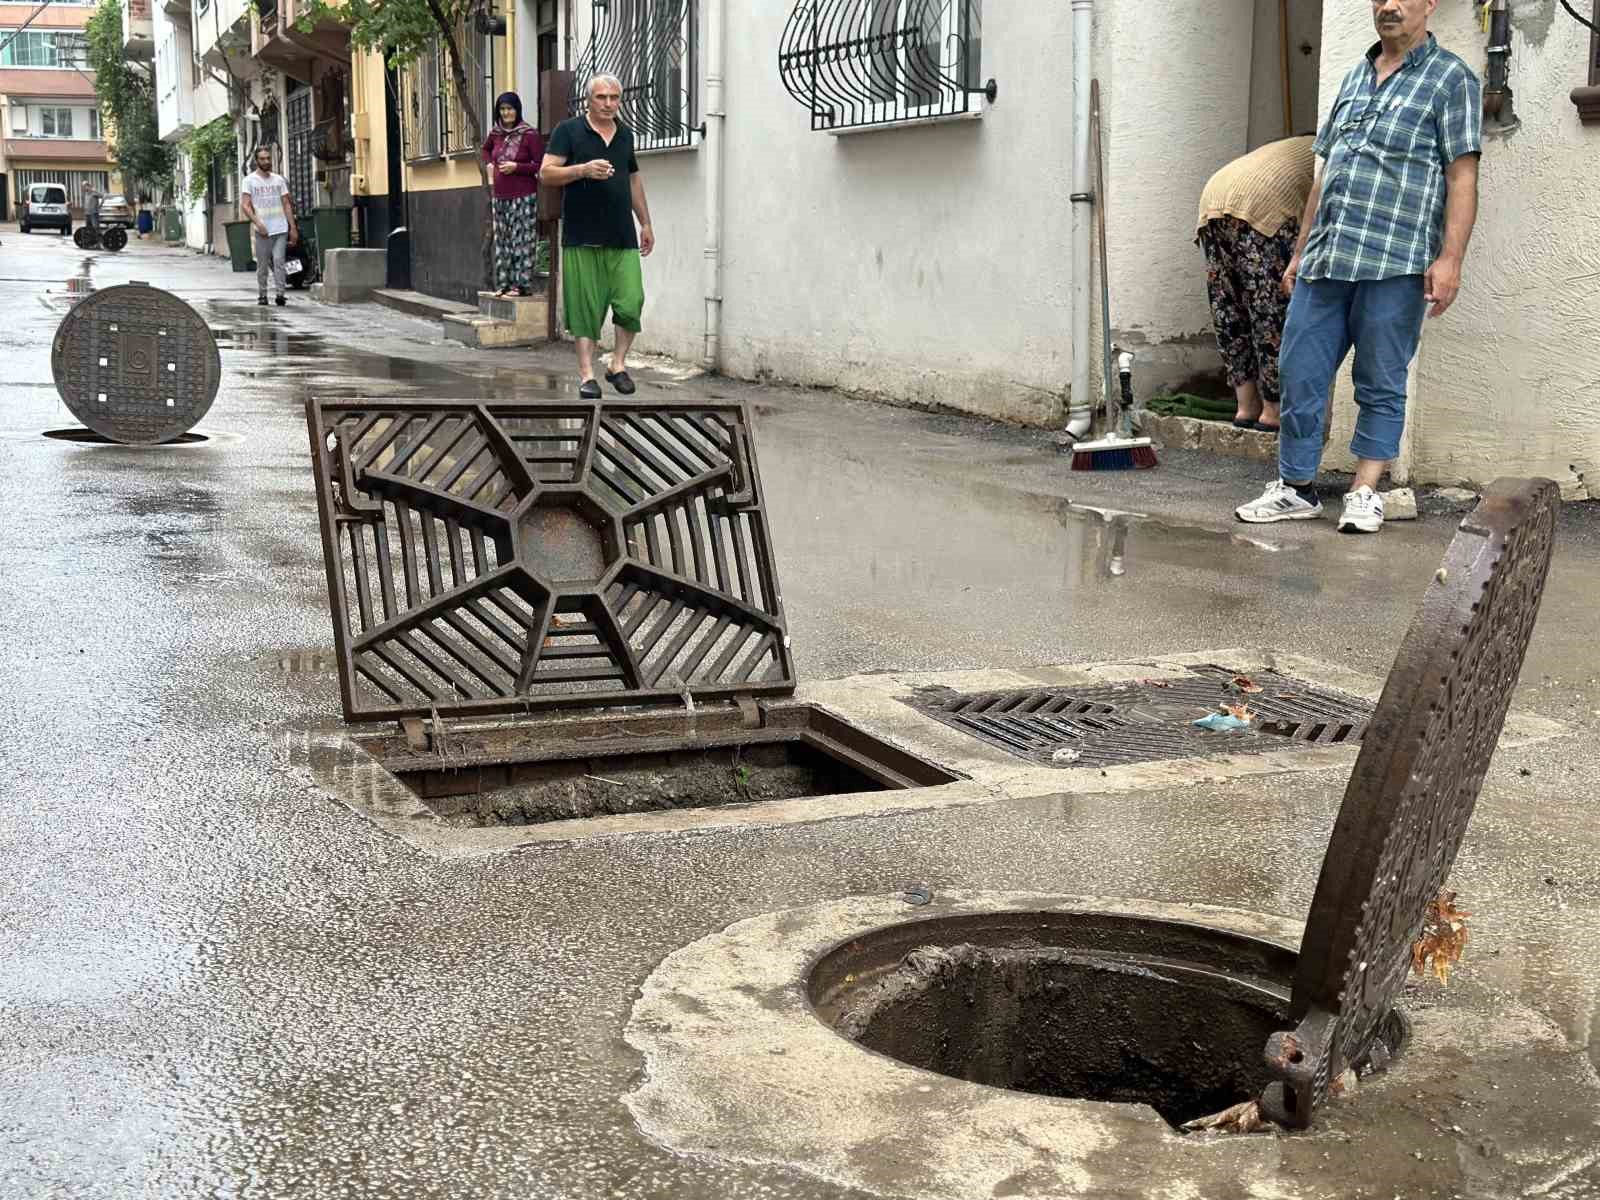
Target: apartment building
x=49, y=116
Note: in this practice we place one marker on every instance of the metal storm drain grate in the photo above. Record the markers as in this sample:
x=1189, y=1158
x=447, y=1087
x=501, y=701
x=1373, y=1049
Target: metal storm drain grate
x=1150, y=720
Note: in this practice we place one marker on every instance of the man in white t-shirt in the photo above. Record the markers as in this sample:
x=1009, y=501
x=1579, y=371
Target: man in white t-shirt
x=270, y=209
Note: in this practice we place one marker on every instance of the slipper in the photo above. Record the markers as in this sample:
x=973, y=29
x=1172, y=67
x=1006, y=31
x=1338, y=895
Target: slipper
x=589, y=390
x=621, y=381
x=1244, y=423
x=1260, y=428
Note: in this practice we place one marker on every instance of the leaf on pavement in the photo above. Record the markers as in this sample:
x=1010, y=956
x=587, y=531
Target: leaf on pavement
x=1444, y=938
x=1247, y=685
x=1241, y=1118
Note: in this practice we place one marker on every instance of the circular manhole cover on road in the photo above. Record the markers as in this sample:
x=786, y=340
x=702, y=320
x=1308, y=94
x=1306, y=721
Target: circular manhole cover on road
x=136, y=364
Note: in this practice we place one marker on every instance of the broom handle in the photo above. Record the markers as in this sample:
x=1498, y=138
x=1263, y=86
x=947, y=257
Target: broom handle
x=1112, y=415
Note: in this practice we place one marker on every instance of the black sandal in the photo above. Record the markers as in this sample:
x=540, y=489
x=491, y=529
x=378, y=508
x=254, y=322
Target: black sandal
x=622, y=382
x=1244, y=423
x=589, y=389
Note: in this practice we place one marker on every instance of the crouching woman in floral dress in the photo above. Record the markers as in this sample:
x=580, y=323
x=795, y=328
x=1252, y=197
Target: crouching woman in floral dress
x=513, y=151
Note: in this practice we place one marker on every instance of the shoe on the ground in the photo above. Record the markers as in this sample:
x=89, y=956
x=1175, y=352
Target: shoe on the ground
x=1363, y=511
x=621, y=381
x=1279, y=502
x=261, y=300
x=280, y=302
x=589, y=389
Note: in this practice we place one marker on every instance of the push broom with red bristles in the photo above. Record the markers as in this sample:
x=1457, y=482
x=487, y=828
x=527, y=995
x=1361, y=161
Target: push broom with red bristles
x=1117, y=449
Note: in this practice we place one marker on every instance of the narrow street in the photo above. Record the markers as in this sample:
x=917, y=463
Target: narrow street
x=219, y=980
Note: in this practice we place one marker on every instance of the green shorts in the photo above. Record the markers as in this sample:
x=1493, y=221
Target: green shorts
x=595, y=278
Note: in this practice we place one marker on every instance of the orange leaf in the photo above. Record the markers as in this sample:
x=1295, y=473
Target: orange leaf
x=1248, y=686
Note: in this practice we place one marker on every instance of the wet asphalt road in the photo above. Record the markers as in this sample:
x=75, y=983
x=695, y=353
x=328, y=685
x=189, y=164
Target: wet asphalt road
x=216, y=982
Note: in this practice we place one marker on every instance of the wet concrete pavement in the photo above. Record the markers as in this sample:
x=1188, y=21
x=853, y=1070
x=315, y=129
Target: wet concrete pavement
x=216, y=981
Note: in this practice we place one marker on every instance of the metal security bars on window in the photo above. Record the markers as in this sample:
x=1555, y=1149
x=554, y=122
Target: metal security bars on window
x=433, y=120
x=652, y=46
x=856, y=63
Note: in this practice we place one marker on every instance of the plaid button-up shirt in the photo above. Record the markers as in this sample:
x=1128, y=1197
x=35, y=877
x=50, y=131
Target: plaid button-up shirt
x=1383, y=188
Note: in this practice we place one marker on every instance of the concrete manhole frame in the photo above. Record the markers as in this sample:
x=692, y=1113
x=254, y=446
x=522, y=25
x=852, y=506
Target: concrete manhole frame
x=737, y=1066
x=336, y=762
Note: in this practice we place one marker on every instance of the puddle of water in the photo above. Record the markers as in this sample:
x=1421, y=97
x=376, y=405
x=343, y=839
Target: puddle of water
x=313, y=353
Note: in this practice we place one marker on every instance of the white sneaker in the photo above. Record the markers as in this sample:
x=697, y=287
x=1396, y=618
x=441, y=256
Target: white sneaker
x=1279, y=502
x=1363, y=511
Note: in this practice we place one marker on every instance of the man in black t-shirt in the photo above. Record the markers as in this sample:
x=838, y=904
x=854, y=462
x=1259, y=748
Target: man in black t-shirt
x=591, y=157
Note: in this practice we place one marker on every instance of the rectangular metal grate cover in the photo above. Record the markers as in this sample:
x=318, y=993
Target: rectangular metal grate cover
x=502, y=557
x=1149, y=720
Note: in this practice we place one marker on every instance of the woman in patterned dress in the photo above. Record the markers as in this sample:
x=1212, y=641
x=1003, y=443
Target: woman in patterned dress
x=513, y=151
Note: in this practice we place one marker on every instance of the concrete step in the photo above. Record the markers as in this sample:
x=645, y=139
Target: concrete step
x=488, y=333
x=520, y=309
x=418, y=305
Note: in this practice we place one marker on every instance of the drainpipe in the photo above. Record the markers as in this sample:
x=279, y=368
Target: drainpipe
x=1080, y=411
x=1497, y=98
x=711, y=149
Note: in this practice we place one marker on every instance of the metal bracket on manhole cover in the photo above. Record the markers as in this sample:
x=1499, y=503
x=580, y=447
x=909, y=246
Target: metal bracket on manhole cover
x=1151, y=720
x=1413, y=791
x=136, y=364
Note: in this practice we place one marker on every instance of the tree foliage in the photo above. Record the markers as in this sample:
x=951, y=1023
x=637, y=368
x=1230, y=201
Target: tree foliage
x=211, y=144
x=405, y=30
x=127, y=96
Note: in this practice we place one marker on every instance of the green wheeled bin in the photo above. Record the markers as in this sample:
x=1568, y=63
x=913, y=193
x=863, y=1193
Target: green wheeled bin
x=332, y=226
x=172, y=224
x=240, y=253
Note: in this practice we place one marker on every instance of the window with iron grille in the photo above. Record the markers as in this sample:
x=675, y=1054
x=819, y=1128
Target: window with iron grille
x=433, y=119
x=858, y=63
x=653, y=47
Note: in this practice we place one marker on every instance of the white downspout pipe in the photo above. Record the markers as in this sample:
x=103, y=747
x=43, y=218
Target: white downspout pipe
x=1080, y=410
x=711, y=151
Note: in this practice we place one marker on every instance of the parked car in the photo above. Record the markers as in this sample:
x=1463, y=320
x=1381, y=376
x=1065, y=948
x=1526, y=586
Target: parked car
x=46, y=208
x=115, y=210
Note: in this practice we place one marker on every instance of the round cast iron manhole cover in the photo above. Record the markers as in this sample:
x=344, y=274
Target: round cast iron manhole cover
x=136, y=364
x=1413, y=790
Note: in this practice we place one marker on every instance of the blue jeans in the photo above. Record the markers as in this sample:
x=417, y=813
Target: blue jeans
x=1382, y=319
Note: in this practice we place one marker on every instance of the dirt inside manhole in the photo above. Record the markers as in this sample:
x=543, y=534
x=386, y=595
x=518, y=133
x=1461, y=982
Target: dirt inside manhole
x=1085, y=1007
x=533, y=774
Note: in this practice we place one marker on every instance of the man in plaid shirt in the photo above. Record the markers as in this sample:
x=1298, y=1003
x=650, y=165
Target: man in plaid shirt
x=1385, y=230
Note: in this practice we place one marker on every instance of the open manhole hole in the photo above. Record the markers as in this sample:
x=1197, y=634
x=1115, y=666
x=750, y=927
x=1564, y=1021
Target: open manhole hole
x=529, y=774
x=1083, y=1006
x=1151, y=720
x=90, y=437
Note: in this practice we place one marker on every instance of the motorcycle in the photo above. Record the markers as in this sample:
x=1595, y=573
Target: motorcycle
x=112, y=237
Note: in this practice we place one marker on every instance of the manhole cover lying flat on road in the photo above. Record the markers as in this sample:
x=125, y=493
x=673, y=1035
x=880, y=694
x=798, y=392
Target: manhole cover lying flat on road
x=136, y=364
x=1150, y=720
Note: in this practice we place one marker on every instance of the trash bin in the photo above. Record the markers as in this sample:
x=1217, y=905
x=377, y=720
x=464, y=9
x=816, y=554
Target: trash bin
x=147, y=222
x=172, y=224
x=398, y=265
x=332, y=231
x=239, y=251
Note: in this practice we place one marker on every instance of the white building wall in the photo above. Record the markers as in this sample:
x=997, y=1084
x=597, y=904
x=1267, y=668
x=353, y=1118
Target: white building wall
x=174, y=83
x=931, y=265
x=1266, y=69
x=1506, y=382
x=1176, y=106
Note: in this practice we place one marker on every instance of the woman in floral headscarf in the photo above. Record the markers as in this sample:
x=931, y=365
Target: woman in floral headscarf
x=513, y=151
